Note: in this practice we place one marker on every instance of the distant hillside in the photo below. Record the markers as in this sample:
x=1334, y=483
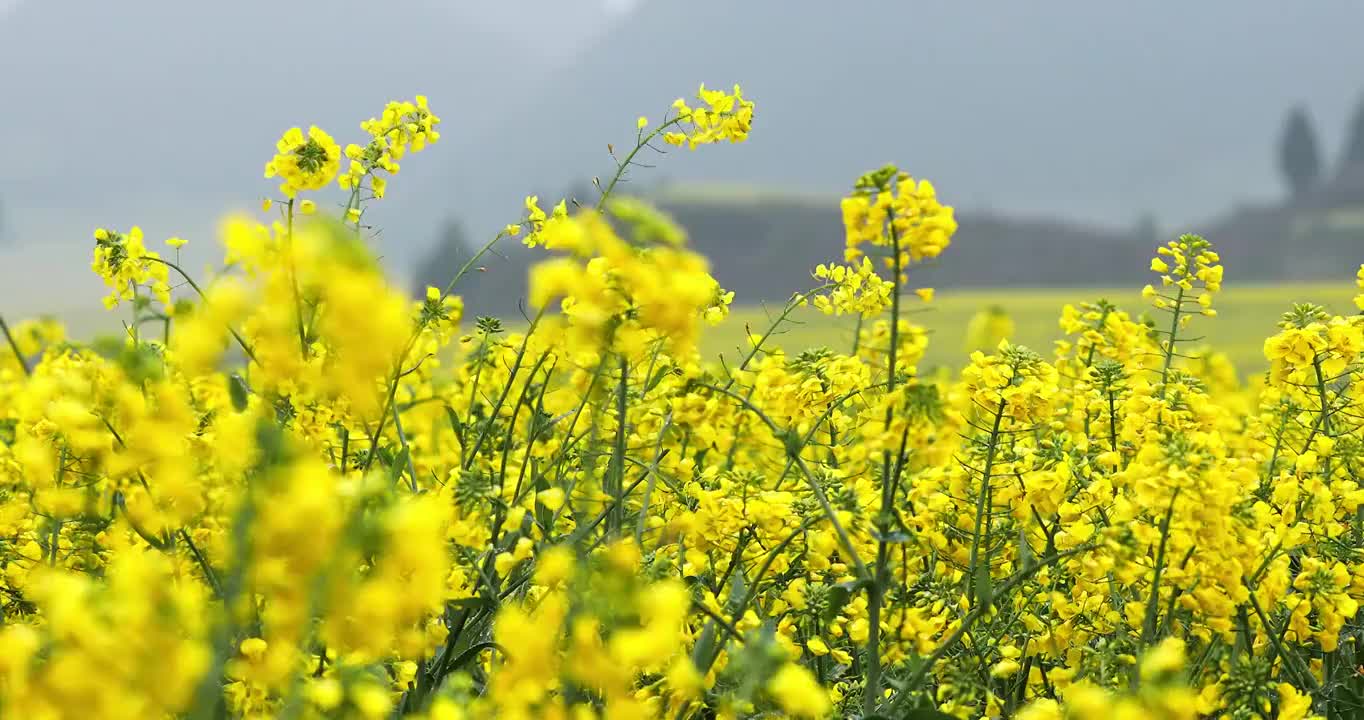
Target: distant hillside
x=1100, y=112
x=763, y=243
x=764, y=246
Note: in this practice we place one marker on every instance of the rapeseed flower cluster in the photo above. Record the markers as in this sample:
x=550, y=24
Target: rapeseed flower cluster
x=126, y=265
x=725, y=117
x=403, y=127
x=304, y=162
x=291, y=490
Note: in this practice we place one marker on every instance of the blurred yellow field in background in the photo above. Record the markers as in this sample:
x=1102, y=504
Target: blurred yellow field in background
x=1246, y=315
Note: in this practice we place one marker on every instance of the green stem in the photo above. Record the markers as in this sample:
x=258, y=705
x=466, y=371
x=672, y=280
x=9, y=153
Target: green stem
x=293, y=279
x=981, y=497
x=793, y=453
x=1278, y=447
x=617, y=469
x=1170, y=346
x=18, y=355
x=468, y=460
x=1098, y=327
x=876, y=590
x=195, y=286
x=640, y=143
x=402, y=439
x=469, y=265
x=1322, y=424
x=946, y=646
x=1112, y=419
x=209, y=574
x=412, y=341
x=1274, y=638
x=708, y=655
x=389, y=397
x=796, y=301
x=649, y=488
x=1153, y=603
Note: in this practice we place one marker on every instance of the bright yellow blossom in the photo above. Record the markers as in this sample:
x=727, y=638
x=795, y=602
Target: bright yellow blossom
x=304, y=162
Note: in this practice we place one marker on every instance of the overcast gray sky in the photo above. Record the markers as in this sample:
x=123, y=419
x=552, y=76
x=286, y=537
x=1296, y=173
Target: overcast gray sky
x=163, y=112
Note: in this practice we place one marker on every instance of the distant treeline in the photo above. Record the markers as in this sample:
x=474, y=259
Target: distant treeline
x=766, y=247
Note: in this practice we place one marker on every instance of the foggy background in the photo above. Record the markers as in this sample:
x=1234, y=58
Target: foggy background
x=1072, y=136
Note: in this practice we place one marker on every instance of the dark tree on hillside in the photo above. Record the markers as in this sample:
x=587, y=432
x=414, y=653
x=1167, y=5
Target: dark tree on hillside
x=1299, y=158
x=1353, y=155
x=438, y=267
x=1147, y=230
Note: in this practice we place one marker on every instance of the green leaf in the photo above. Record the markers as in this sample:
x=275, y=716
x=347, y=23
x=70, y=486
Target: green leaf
x=395, y=470
x=658, y=378
x=839, y=595
x=916, y=714
x=737, y=590
x=236, y=388
x=455, y=424
x=471, y=654
x=1025, y=554
x=140, y=361
x=471, y=603
x=270, y=442
x=984, y=584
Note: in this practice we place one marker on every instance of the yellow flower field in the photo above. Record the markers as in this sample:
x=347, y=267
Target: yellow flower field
x=292, y=491
x=1246, y=315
